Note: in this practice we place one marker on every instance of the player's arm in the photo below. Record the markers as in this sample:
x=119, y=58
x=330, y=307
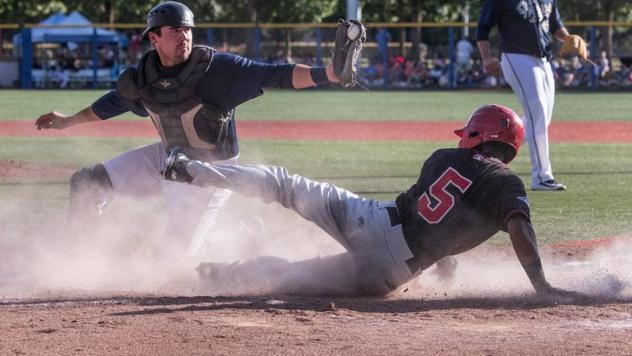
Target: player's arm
x=347, y=49
x=305, y=76
x=561, y=34
x=557, y=26
x=487, y=21
x=490, y=63
x=232, y=80
x=109, y=105
x=525, y=245
x=60, y=121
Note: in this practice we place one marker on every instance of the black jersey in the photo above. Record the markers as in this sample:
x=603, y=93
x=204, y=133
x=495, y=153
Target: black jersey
x=524, y=25
x=461, y=199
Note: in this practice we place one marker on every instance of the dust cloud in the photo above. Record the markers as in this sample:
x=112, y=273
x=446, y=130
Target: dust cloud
x=123, y=254
x=493, y=272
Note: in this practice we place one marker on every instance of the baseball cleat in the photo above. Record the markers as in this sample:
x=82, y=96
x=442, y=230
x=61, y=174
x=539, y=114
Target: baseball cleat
x=176, y=166
x=549, y=185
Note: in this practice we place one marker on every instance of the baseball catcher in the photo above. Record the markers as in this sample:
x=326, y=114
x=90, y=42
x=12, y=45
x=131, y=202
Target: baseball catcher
x=190, y=93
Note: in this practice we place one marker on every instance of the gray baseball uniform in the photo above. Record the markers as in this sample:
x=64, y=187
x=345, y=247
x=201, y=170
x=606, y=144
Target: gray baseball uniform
x=461, y=199
x=377, y=251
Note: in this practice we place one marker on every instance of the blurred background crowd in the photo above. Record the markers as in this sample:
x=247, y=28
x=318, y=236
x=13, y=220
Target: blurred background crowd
x=412, y=44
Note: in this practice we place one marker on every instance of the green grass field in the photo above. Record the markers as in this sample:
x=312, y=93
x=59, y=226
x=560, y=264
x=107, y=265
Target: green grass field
x=599, y=176
x=355, y=105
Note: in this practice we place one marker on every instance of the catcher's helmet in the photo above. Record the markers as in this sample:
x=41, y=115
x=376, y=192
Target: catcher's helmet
x=492, y=123
x=170, y=13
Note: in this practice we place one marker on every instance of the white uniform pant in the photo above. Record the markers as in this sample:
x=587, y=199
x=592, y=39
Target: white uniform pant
x=531, y=79
x=375, y=261
x=191, y=211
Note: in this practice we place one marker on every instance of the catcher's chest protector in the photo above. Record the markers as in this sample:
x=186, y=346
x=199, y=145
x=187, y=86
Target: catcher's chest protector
x=180, y=116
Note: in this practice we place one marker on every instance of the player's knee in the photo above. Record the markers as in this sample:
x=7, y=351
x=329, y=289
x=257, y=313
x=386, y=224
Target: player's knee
x=88, y=178
x=89, y=189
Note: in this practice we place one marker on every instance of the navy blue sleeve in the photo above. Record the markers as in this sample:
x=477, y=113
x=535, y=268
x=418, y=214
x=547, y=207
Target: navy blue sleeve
x=555, y=21
x=489, y=19
x=232, y=80
x=113, y=104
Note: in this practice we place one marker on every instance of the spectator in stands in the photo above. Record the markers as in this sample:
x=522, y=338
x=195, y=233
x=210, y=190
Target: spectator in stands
x=581, y=74
x=371, y=75
x=464, y=51
x=602, y=70
x=438, y=74
x=395, y=71
x=134, y=48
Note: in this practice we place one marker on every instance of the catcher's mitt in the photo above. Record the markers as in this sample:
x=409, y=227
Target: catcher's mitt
x=348, y=46
x=574, y=45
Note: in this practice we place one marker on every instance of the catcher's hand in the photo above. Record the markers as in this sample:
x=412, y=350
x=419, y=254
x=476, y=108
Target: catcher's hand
x=348, y=46
x=53, y=120
x=574, y=45
x=176, y=166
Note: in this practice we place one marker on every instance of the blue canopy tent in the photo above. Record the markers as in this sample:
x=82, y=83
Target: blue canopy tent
x=60, y=28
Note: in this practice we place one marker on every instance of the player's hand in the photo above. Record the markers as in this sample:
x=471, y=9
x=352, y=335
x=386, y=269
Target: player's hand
x=445, y=269
x=561, y=295
x=492, y=66
x=53, y=120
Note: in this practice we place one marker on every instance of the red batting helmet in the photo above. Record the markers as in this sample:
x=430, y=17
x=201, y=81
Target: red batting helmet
x=492, y=123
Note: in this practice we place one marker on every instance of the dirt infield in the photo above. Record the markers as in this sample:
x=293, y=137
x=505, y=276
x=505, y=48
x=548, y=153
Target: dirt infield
x=565, y=131
x=428, y=319
x=312, y=326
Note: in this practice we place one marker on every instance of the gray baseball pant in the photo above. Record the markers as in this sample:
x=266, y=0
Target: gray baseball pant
x=375, y=261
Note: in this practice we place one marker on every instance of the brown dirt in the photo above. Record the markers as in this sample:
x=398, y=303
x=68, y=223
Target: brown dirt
x=21, y=172
x=311, y=325
x=575, y=131
x=70, y=322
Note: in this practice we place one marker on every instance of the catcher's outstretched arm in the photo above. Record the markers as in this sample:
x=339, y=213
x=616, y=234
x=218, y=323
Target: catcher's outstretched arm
x=302, y=76
x=59, y=121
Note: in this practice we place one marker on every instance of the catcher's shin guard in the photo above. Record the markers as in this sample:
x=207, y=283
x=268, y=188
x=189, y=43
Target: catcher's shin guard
x=89, y=188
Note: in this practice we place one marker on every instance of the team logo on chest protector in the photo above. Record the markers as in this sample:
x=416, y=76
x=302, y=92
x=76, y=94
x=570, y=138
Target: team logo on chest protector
x=165, y=83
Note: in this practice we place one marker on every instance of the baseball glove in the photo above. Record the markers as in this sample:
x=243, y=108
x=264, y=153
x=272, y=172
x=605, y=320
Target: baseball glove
x=574, y=45
x=346, y=53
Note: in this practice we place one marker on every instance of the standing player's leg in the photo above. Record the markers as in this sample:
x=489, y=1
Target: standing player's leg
x=530, y=81
x=549, y=87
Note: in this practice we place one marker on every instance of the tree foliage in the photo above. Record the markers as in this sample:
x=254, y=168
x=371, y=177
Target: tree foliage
x=126, y=11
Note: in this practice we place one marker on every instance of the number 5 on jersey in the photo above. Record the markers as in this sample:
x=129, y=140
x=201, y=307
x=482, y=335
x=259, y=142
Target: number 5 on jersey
x=444, y=199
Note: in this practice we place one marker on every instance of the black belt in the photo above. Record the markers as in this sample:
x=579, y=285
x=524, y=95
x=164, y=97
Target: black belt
x=393, y=214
